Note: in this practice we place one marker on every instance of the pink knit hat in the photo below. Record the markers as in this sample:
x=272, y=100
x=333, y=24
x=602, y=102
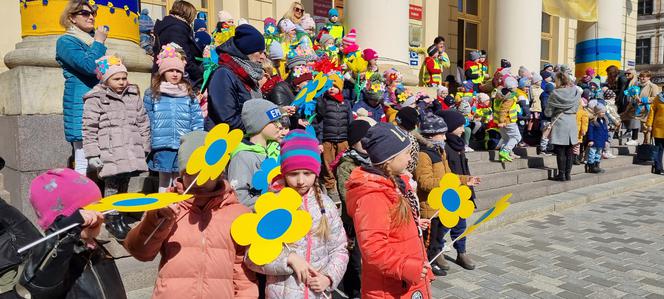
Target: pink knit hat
x=108, y=66
x=170, y=58
x=60, y=191
x=369, y=54
x=299, y=150
x=350, y=38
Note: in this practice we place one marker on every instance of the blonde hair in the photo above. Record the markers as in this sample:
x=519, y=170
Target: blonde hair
x=268, y=67
x=401, y=213
x=183, y=9
x=73, y=6
x=291, y=16
x=323, y=229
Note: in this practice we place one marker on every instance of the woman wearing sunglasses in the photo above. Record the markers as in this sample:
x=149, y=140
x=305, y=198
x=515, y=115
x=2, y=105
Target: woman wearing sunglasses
x=76, y=52
x=295, y=13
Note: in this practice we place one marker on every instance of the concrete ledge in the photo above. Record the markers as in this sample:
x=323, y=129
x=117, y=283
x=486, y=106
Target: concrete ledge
x=555, y=203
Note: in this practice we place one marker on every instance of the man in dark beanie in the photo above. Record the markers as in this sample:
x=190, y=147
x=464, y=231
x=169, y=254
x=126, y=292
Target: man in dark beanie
x=236, y=79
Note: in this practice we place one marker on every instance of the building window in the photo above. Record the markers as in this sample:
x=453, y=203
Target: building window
x=468, y=32
x=469, y=7
x=645, y=7
x=643, y=51
x=547, y=39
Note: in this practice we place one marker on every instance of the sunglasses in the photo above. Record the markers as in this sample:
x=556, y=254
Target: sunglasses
x=86, y=13
x=297, y=9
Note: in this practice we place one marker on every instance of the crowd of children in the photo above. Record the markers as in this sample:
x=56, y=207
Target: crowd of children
x=363, y=158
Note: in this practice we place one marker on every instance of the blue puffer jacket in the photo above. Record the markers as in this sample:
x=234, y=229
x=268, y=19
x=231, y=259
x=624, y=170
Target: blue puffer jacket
x=598, y=132
x=170, y=118
x=77, y=60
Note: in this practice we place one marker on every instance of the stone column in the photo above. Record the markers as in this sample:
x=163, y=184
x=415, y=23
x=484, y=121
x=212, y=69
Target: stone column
x=383, y=26
x=31, y=123
x=517, y=39
x=600, y=43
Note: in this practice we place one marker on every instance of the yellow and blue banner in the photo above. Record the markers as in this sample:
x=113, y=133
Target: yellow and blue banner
x=41, y=17
x=598, y=53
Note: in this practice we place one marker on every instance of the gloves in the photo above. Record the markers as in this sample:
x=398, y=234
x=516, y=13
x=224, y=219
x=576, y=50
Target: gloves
x=95, y=163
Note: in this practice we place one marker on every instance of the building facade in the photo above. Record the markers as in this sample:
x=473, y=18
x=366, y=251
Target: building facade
x=650, y=39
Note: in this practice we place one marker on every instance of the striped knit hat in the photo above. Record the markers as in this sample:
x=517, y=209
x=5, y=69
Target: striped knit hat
x=299, y=150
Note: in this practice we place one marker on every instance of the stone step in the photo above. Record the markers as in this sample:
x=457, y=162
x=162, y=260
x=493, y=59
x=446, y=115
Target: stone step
x=490, y=167
x=522, y=192
x=137, y=275
x=516, y=177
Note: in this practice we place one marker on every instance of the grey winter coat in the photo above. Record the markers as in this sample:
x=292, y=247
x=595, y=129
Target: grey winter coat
x=116, y=129
x=564, y=102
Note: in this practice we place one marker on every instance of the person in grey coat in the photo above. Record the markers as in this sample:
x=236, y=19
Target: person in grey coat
x=562, y=108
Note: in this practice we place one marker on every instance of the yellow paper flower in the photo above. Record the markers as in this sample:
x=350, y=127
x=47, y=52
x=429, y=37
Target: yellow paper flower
x=451, y=200
x=277, y=221
x=500, y=206
x=136, y=202
x=210, y=160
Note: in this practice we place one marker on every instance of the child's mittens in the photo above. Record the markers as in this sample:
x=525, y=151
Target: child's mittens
x=95, y=163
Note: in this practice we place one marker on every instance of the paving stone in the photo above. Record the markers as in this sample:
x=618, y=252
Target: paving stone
x=523, y=288
x=570, y=295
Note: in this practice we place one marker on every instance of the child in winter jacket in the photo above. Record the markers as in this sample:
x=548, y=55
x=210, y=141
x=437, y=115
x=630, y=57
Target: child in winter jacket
x=194, y=239
x=173, y=111
x=536, y=103
x=431, y=72
x=73, y=264
x=263, y=125
x=333, y=116
x=523, y=100
x=655, y=125
x=444, y=98
x=116, y=128
x=505, y=109
x=116, y=133
x=431, y=167
x=317, y=263
x=614, y=119
x=598, y=136
x=352, y=158
x=394, y=260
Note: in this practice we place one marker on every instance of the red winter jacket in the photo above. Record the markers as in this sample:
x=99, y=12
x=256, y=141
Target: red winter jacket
x=392, y=257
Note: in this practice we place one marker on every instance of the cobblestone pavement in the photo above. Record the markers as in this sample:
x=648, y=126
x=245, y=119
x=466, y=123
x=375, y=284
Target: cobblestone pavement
x=610, y=248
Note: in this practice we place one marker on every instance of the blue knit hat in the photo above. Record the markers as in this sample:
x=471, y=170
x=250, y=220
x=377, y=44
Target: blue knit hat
x=248, y=39
x=333, y=12
x=384, y=142
x=198, y=24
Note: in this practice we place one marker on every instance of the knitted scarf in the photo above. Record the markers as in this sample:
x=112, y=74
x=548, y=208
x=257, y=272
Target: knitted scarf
x=455, y=142
x=85, y=37
x=254, y=69
x=179, y=90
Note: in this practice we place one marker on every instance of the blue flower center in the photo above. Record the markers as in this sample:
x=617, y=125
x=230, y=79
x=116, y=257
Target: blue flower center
x=451, y=200
x=132, y=202
x=274, y=224
x=485, y=215
x=215, y=152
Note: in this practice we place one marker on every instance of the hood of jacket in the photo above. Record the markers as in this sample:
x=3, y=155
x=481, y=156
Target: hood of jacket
x=366, y=182
x=168, y=23
x=565, y=98
x=248, y=146
x=222, y=196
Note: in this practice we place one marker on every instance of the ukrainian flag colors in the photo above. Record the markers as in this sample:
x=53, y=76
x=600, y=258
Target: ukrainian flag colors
x=599, y=54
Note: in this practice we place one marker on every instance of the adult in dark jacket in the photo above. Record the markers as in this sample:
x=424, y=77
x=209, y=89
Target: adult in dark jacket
x=76, y=52
x=176, y=28
x=618, y=82
x=236, y=79
x=455, y=148
x=16, y=231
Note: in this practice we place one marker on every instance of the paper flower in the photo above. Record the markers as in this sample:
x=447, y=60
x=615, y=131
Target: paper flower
x=451, y=200
x=270, y=168
x=309, y=92
x=210, y=159
x=277, y=221
x=500, y=206
x=136, y=202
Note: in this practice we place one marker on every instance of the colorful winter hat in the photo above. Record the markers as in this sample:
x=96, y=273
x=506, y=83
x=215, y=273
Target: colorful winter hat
x=108, y=66
x=350, y=38
x=333, y=12
x=287, y=26
x=300, y=150
x=170, y=58
x=270, y=27
x=60, y=191
x=369, y=54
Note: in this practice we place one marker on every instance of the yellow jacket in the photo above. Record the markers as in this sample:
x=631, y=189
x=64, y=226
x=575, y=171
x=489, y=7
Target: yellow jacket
x=656, y=117
x=582, y=118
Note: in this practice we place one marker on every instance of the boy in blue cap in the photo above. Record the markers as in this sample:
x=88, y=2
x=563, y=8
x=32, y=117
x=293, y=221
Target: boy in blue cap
x=334, y=27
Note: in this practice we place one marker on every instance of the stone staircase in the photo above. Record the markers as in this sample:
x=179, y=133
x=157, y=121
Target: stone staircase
x=527, y=177
x=4, y=194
